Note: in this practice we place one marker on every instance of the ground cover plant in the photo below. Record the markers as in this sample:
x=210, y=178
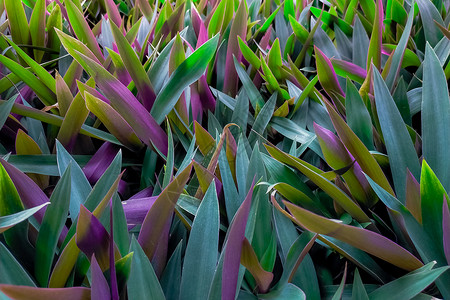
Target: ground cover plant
x=224, y=149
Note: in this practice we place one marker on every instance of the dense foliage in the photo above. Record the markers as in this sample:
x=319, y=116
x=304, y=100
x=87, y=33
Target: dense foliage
x=222, y=149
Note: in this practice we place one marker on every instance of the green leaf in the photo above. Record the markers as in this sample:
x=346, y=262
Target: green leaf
x=80, y=187
x=366, y=240
x=327, y=76
x=51, y=227
x=408, y=286
x=256, y=99
x=436, y=118
x=358, y=290
x=9, y=221
x=11, y=272
x=5, y=109
x=202, y=249
x=143, y=283
x=82, y=29
x=400, y=148
x=37, y=28
x=399, y=51
x=18, y=23
x=374, y=55
x=429, y=14
x=358, y=118
x=262, y=120
x=186, y=74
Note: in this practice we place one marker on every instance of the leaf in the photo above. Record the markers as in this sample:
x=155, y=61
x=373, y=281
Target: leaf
x=11, y=270
x=51, y=227
x=99, y=285
x=80, y=187
x=233, y=248
x=429, y=14
x=18, y=292
x=327, y=76
x=37, y=28
x=358, y=290
x=256, y=99
x=143, y=283
x=357, y=149
x=63, y=95
x=5, y=109
x=202, y=249
x=262, y=120
x=238, y=29
x=435, y=117
x=399, y=52
x=431, y=193
x=9, y=221
x=159, y=213
x=332, y=190
x=358, y=118
x=446, y=229
x=18, y=23
x=374, y=55
x=409, y=285
x=134, y=68
x=113, y=121
x=123, y=101
x=363, y=239
x=250, y=261
x=186, y=74
x=82, y=29
x=402, y=155
x=73, y=120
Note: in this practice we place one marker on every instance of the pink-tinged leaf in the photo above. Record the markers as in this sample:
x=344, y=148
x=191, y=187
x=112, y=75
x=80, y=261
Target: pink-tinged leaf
x=338, y=158
x=113, y=121
x=327, y=76
x=366, y=240
x=92, y=238
x=413, y=202
x=136, y=209
x=376, y=40
x=347, y=69
x=18, y=292
x=120, y=69
x=446, y=228
x=145, y=8
x=113, y=12
x=238, y=28
x=135, y=68
x=71, y=44
x=199, y=27
x=156, y=218
x=233, y=248
x=250, y=261
x=100, y=161
x=82, y=29
x=99, y=284
x=206, y=96
x=125, y=103
x=358, y=150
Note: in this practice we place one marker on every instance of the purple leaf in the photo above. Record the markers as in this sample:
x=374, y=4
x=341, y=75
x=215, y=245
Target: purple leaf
x=136, y=209
x=98, y=164
x=236, y=236
x=99, y=284
x=112, y=265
